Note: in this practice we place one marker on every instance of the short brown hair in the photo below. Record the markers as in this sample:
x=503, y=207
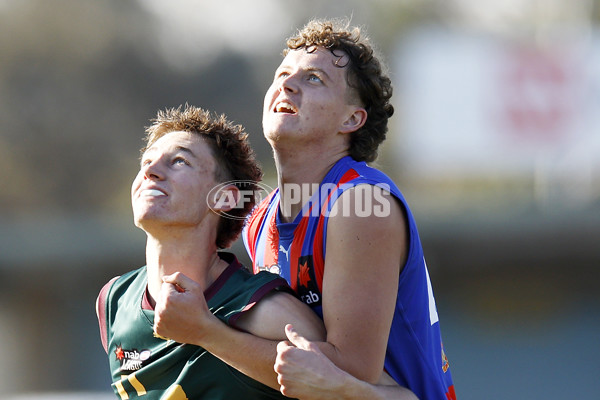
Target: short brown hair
x=365, y=75
x=229, y=144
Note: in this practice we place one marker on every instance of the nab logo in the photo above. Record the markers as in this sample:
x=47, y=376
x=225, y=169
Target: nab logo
x=307, y=287
x=311, y=298
x=131, y=360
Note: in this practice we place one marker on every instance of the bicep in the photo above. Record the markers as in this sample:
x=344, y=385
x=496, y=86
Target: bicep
x=268, y=317
x=364, y=255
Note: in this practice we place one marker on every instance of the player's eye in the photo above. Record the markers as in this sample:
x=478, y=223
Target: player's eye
x=282, y=74
x=180, y=161
x=314, y=78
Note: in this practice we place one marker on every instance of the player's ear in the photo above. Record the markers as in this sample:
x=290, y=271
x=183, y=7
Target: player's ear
x=355, y=120
x=225, y=199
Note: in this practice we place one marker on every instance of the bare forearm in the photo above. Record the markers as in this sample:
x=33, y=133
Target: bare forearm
x=362, y=390
x=251, y=355
x=185, y=318
x=354, y=388
x=349, y=363
x=357, y=388
x=305, y=372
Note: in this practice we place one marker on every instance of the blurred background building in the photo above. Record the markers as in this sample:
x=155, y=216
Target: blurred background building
x=495, y=143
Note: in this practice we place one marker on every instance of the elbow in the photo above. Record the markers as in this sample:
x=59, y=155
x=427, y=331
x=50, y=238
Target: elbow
x=372, y=377
x=368, y=371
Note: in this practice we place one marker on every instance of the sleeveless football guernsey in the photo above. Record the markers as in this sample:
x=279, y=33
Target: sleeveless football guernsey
x=146, y=367
x=415, y=356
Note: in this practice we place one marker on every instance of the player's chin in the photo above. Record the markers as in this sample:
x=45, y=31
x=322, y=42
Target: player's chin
x=272, y=136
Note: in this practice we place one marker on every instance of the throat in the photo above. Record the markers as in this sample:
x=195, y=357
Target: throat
x=215, y=269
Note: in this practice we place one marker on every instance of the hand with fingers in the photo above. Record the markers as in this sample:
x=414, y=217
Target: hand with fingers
x=304, y=372
x=179, y=296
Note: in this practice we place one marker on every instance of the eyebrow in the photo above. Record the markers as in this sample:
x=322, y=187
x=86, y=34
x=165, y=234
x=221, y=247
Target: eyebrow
x=177, y=148
x=186, y=150
x=307, y=69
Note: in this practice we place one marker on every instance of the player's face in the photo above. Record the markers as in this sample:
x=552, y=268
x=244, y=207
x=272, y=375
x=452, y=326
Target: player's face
x=176, y=174
x=308, y=99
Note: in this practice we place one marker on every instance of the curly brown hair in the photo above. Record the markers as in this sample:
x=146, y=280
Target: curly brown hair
x=231, y=150
x=365, y=74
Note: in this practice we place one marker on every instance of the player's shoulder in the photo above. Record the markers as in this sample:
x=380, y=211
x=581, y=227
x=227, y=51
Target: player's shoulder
x=372, y=175
x=106, y=288
x=262, y=207
x=101, y=301
x=120, y=280
x=255, y=220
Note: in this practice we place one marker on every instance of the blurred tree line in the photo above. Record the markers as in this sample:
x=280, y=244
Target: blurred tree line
x=80, y=80
x=78, y=83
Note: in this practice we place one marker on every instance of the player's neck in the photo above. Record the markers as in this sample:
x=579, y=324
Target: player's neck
x=199, y=263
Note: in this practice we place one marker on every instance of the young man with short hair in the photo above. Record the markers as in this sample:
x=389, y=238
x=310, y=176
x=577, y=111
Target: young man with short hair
x=188, y=154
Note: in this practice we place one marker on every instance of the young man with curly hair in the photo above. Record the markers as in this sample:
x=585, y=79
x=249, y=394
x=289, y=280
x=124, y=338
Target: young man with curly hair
x=188, y=154
x=357, y=261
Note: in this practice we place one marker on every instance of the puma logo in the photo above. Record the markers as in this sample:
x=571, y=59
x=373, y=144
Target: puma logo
x=284, y=251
